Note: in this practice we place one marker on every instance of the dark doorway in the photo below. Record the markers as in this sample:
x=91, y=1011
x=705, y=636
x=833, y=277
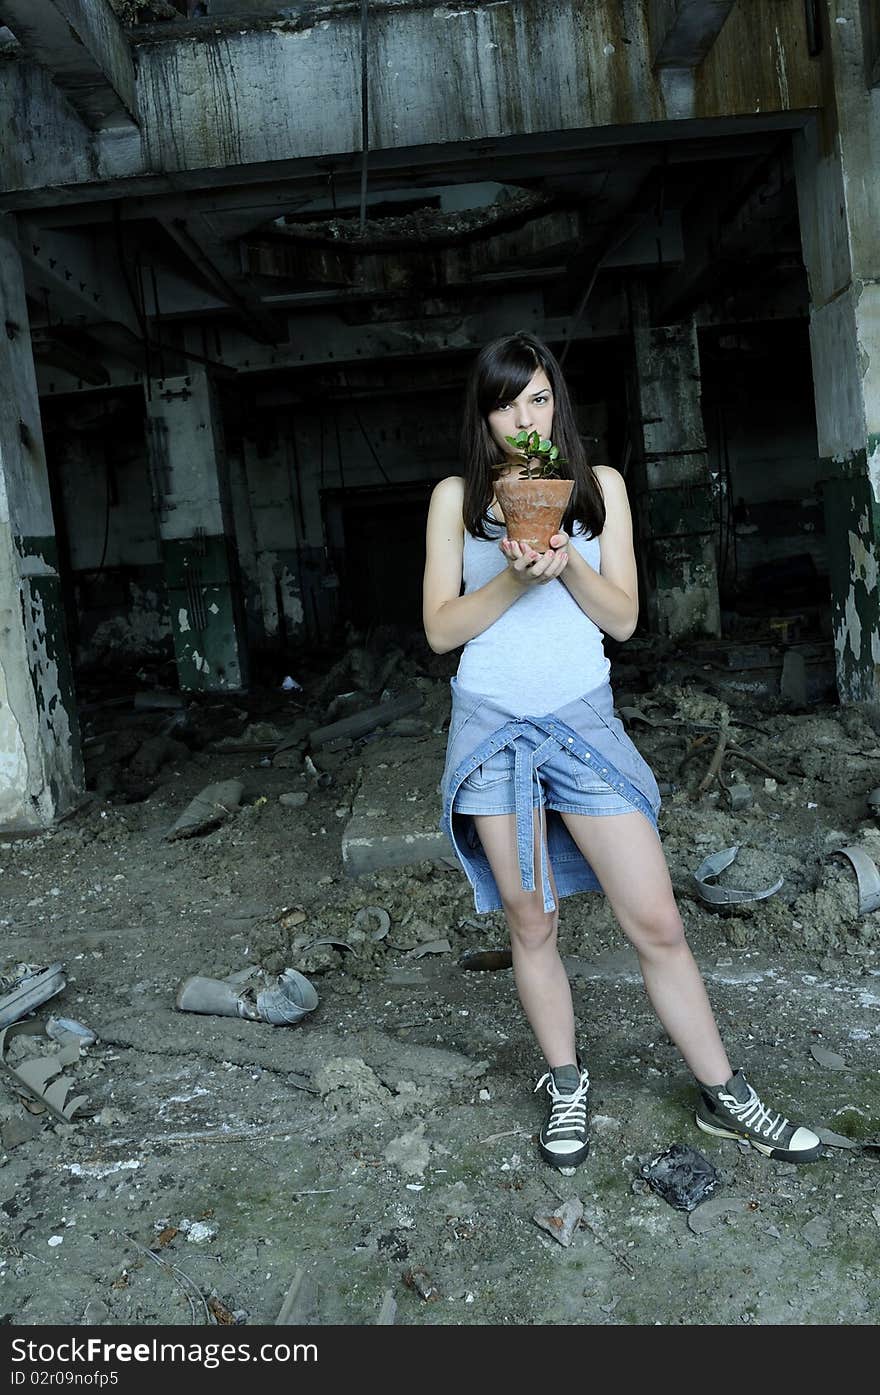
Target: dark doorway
x=376, y=541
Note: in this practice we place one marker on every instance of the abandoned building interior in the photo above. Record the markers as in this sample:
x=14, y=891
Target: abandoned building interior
x=247, y=255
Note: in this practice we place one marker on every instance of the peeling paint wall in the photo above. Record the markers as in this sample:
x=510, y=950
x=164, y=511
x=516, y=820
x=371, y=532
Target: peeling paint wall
x=839, y=198
x=109, y=532
x=39, y=742
x=676, y=504
x=192, y=497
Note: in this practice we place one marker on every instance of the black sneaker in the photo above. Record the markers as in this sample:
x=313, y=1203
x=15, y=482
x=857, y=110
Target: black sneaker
x=564, y=1140
x=735, y=1111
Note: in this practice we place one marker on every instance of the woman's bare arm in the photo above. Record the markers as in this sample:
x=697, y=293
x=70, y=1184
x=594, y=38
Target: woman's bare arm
x=450, y=619
x=611, y=599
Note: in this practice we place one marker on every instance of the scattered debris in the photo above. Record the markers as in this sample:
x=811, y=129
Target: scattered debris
x=95, y=1313
x=486, y=959
x=290, y=916
x=327, y=940
x=30, y=992
x=178, y=1276
x=322, y=778
x=300, y=1302
x=829, y=1059
x=410, y=1153
x=64, y=1029
x=14, y=1132
x=714, y=771
x=815, y=1232
x=867, y=877
x=368, y=720
x=563, y=1222
x=388, y=1311
x=156, y=701
x=704, y=1216
x=283, y=1004
x=835, y=1140
x=739, y=796
x=712, y=867
x=222, y=1315
x=379, y=917
x=208, y=810
x=347, y=1083
x=200, y=1231
x=34, y=1075
x=682, y=1176
x=420, y=1281
x=432, y=947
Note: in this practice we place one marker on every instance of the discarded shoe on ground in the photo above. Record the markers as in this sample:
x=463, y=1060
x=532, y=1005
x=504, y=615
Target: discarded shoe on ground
x=283, y=1002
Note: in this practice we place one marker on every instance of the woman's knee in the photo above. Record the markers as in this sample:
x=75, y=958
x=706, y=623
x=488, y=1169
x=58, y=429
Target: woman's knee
x=530, y=925
x=657, y=931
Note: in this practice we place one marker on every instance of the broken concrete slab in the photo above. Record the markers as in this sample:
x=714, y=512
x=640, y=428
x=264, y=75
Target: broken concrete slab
x=41, y=1078
x=563, y=1222
x=381, y=715
x=210, y=808
x=364, y=850
x=386, y=830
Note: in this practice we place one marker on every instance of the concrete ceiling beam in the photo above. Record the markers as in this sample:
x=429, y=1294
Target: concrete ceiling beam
x=65, y=272
x=218, y=262
x=683, y=31
x=84, y=47
x=81, y=358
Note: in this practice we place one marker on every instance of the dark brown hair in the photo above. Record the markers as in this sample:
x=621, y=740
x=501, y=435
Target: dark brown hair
x=500, y=372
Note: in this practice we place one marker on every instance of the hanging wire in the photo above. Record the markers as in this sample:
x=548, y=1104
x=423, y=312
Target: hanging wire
x=360, y=426
x=365, y=111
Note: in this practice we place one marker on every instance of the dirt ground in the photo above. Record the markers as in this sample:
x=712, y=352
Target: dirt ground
x=386, y=1144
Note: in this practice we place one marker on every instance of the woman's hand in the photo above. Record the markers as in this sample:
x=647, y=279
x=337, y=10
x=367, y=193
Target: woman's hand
x=531, y=568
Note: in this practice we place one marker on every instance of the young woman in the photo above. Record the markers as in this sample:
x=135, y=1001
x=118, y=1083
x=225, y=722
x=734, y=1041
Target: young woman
x=544, y=793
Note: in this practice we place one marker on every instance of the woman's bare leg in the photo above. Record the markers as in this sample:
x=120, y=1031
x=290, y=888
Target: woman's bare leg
x=626, y=855
x=541, y=980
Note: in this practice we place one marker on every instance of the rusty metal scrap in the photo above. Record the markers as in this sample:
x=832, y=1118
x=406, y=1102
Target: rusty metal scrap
x=867, y=877
x=712, y=867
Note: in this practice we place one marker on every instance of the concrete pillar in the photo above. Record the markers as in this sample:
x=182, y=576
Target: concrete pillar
x=191, y=486
x=674, y=486
x=837, y=161
x=271, y=465
x=40, y=764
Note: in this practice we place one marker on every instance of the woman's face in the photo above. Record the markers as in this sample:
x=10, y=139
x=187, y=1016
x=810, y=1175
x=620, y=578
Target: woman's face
x=531, y=411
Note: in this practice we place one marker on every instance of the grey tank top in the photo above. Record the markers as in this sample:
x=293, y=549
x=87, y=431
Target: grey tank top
x=544, y=651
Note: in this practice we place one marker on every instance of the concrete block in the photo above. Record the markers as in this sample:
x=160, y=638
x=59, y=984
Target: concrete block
x=366, y=849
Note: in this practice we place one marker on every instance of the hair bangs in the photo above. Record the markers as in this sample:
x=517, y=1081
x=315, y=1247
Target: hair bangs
x=506, y=372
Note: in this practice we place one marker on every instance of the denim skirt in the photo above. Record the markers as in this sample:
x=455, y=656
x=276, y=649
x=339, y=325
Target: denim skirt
x=565, y=784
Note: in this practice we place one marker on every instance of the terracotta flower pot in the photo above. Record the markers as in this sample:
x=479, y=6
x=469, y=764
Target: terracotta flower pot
x=533, y=508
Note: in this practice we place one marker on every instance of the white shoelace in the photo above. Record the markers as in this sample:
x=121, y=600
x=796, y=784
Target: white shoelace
x=569, y=1111
x=754, y=1115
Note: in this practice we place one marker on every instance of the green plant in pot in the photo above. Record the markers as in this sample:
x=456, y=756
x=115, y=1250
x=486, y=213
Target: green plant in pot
x=534, y=502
